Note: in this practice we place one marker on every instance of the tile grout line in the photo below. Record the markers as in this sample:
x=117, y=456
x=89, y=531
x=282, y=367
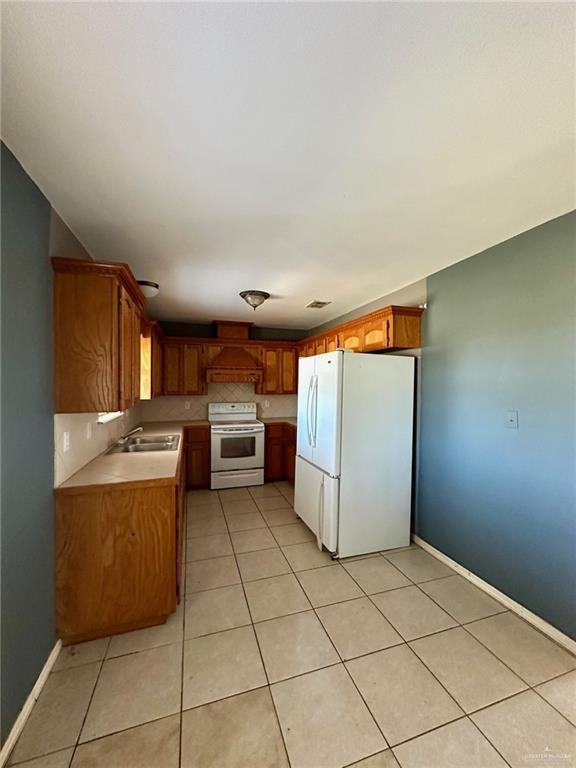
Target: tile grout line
x=255, y=634
x=465, y=715
x=405, y=642
x=76, y=745
x=379, y=729
x=529, y=686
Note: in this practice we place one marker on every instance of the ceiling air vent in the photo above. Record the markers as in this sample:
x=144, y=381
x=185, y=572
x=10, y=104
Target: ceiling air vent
x=317, y=304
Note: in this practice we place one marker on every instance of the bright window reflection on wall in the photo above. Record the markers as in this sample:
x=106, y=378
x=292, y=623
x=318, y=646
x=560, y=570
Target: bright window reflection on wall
x=104, y=418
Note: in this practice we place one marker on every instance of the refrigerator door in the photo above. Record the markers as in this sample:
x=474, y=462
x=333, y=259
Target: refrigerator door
x=377, y=433
x=316, y=503
x=326, y=412
x=306, y=366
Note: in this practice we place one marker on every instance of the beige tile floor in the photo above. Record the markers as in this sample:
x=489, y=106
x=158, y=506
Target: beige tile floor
x=279, y=657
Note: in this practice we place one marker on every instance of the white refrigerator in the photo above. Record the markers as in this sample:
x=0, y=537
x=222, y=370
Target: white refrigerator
x=354, y=450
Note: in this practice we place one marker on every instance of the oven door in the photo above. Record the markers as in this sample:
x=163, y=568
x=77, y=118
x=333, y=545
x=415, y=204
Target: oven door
x=237, y=448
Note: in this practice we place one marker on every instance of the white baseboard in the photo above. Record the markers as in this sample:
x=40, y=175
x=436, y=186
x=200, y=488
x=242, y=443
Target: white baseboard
x=20, y=722
x=531, y=618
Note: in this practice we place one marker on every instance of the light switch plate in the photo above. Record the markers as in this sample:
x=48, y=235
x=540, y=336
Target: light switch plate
x=187, y=405
x=512, y=419
x=66, y=441
x=89, y=430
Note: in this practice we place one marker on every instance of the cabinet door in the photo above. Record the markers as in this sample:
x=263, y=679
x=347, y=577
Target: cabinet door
x=332, y=343
x=156, y=364
x=198, y=465
x=126, y=320
x=352, y=338
x=320, y=347
x=271, y=383
x=136, y=334
x=192, y=366
x=375, y=335
x=86, y=343
x=180, y=532
x=289, y=371
x=274, y=460
x=172, y=369
x=289, y=452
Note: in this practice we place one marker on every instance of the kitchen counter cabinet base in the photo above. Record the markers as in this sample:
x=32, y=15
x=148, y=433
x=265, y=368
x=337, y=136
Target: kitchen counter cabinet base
x=116, y=560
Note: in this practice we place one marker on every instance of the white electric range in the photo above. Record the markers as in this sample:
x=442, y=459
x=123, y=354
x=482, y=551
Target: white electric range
x=237, y=445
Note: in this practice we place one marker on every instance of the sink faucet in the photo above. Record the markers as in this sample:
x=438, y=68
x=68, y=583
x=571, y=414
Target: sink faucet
x=131, y=432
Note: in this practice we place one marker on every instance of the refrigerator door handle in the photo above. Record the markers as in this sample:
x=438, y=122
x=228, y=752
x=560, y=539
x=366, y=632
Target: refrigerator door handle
x=320, y=527
x=314, y=411
x=308, y=410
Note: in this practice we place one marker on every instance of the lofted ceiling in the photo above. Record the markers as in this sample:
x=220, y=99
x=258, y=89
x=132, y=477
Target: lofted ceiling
x=331, y=151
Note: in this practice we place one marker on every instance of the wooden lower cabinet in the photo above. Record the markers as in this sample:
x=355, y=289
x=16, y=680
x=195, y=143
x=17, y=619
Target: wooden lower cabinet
x=289, y=452
x=280, y=452
x=197, y=447
x=274, y=453
x=116, y=558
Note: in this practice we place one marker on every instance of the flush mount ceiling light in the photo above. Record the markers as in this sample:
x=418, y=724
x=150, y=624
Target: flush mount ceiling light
x=254, y=298
x=148, y=288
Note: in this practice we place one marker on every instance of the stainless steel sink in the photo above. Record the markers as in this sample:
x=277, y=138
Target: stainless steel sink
x=153, y=439
x=146, y=444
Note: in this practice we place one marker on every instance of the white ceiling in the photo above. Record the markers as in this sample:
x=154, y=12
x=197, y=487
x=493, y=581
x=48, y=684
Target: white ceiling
x=333, y=151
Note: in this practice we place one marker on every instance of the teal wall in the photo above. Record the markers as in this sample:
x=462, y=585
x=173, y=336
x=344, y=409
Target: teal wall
x=500, y=335
x=27, y=545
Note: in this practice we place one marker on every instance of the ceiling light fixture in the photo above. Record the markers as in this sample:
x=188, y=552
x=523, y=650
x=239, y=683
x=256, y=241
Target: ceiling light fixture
x=148, y=288
x=254, y=298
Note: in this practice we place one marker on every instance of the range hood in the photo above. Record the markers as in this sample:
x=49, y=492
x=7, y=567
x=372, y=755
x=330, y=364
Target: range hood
x=234, y=364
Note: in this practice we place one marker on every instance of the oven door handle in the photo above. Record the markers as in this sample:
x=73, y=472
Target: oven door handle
x=233, y=432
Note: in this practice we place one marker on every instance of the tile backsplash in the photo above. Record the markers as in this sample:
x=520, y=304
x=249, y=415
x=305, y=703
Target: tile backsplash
x=174, y=408
x=83, y=448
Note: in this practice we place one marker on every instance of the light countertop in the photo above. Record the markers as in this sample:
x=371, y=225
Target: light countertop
x=156, y=466
x=280, y=420
x=116, y=468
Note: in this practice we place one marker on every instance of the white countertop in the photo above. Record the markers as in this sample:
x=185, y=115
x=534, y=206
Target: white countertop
x=158, y=466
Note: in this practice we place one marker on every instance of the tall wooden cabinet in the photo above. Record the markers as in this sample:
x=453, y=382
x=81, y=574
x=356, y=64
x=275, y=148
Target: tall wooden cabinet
x=98, y=308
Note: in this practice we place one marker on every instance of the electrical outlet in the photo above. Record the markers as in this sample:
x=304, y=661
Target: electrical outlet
x=66, y=442
x=187, y=405
x=89, y=431
x=512, y=419
x=266, y=403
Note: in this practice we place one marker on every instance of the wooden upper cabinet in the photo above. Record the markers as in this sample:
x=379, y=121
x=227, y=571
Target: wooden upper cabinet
x=130, y=322
x=320, y=346
x=289, y=359
x=272, y=375
x=97, y=311
x=352, y=338
x=404, y=327
x=172, y=368
x=193, y=370
x=156, y=362
x=376, y=334
x=332, y=343
x=183, y=368
x=392, y=327
x=280, y=371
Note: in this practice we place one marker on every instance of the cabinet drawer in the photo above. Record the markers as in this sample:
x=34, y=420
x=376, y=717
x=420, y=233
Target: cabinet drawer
x=274, y=431
x=200, y=434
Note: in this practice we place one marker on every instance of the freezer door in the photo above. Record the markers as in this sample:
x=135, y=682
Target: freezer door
x=316, y=502
x=306, y=367
x=326, y=412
